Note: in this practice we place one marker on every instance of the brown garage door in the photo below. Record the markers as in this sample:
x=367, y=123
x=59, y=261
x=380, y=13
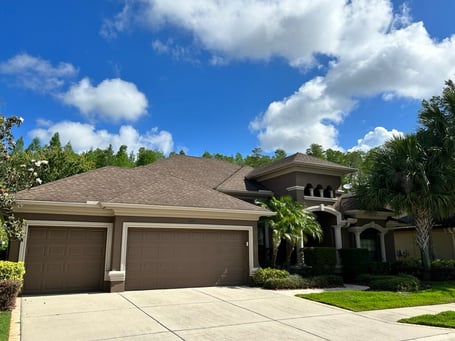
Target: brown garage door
x=160, y=258
x=63, y=259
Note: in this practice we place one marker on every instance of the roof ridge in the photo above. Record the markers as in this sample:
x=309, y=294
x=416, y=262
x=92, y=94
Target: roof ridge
x=298, y=158
x=232, y=175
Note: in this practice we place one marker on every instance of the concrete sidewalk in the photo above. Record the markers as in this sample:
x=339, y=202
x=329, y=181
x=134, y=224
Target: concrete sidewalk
x=216, y=313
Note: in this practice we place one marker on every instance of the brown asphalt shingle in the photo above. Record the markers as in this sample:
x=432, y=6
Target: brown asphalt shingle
x=205, y=172
x=177, y=181
x=172, y=191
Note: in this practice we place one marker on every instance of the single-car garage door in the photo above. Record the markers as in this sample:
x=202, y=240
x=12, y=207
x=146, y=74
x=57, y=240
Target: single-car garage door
x=176, y=258
x=64, y=259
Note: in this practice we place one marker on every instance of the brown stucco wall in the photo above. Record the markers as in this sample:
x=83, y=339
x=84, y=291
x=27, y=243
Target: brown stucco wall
x=389, y=240
x=318, y=179
x=443, y=248
x=279, y=184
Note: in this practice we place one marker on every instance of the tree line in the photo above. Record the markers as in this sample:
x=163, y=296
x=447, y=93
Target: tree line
x=63, y=161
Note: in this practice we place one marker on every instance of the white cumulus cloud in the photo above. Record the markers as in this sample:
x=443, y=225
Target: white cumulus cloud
x=241, y=29
x=375, y=138
x=36, y=73
x=84, y=137
x=373, y=50
x=112, y=99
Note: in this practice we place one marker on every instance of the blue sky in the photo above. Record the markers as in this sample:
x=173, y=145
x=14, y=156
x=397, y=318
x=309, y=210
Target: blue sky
x=222, y=76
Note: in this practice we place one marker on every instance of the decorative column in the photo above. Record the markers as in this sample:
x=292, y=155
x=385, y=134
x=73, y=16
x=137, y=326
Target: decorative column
x=382, y=242
x=357, y=239
x=338, y=241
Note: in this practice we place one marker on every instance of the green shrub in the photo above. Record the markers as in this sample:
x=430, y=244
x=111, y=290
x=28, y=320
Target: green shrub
x=12, y=270
x=378, y=268
x=409, y=266
x=326, y=281
x=262, y=275
x=9, y=289
x=299, y=282
x=289, y=282
x=321, y=259
x=443, y=269
x=355, y=262
x=443, y=263
x=404, y=283
x=364, y=279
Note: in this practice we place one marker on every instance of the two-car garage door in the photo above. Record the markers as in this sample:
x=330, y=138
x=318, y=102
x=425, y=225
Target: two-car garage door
x=73, y=259
x=175, y=258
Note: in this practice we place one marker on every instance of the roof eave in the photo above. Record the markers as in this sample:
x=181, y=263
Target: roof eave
x=298, y=166
x=253, y=194
x=364, y=214
x=96, y=208
x=185, y=212
x=58, y=207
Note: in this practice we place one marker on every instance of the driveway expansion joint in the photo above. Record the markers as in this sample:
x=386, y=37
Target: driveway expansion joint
x=153, y=318
x=262, y=315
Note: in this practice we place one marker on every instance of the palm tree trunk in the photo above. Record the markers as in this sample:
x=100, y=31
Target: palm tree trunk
x=289, y=250
x=276, y=245
x=424, y=223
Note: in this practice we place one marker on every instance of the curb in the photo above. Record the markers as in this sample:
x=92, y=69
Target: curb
x=15, y=324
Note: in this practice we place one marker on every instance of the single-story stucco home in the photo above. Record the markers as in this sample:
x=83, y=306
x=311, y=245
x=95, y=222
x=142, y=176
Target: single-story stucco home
x=184, y=222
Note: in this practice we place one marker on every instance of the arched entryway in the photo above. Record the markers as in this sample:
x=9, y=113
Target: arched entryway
x=331, y=223
x=371, y=236
x=370, y=240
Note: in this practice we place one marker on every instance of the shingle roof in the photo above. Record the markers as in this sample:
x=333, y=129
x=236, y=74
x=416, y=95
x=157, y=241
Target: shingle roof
x=176, y=181
x=347, y=202
x=100, y=184
x=172, y=191
x=299, y=159
x=238, y=182
x=202, y=171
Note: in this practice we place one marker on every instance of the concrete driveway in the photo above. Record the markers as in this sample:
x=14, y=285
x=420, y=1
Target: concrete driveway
x=216, y=313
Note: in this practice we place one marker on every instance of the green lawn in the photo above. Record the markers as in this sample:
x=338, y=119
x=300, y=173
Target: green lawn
x=440, y=293
x=445, y=319
x=5, y=317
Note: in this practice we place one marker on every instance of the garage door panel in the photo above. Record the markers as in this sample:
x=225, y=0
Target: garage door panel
x=56, y=252
x=159, y=258
x=61, y=234
x=64, y=259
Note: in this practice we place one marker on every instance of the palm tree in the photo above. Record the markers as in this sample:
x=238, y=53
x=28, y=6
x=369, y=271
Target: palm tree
x=415, y=174
x=290, y=223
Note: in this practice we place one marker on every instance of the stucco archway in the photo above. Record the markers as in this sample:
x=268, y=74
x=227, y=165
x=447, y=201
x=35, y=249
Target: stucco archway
x=357, y=230
x=339, y=221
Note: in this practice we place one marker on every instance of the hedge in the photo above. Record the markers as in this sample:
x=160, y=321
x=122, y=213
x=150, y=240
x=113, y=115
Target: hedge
x=11, y=277
x=299, y=282
x=9, y=289
x=355, y=262
x=262, y=275
x=403, y=283
x=321, y=259
x=443, y=270
x=410, y=266
x=12, y=270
